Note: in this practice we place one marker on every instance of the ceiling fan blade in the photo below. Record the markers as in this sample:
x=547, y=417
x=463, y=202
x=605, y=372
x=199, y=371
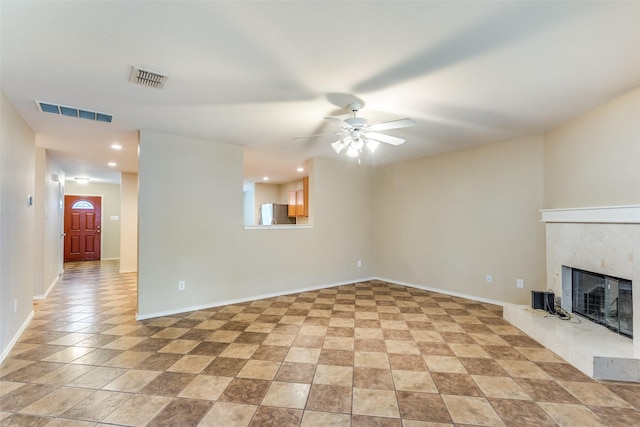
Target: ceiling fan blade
x=385, y=138
x=393, y=124
x=317, y=134
x=338, y=121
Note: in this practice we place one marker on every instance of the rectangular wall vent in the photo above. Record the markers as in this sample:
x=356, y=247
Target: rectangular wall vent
x=49, y=107
x=147, y=78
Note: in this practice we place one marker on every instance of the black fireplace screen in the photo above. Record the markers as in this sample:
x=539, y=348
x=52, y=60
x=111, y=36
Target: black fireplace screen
x=603, y=299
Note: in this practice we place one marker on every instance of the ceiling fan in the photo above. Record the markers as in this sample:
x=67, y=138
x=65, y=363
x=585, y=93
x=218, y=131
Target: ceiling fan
x=358, y=133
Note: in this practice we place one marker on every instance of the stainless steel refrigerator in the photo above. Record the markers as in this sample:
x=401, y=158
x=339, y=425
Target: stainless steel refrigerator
x=274, y=213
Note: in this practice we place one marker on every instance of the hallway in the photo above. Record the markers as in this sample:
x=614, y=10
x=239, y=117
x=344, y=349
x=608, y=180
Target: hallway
x=367, y=354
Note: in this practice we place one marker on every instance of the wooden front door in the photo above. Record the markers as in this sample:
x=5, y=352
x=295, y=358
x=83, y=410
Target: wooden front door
x=82, y=228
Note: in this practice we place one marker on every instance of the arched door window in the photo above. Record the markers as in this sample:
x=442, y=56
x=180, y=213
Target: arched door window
x=82, y=204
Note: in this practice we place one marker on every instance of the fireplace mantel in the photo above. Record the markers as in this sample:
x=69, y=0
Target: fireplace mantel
x=603, y=214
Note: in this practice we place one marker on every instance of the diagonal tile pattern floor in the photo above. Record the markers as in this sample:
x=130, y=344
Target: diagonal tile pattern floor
x=366, y=354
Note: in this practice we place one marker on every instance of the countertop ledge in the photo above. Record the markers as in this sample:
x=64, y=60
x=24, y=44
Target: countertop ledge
x=278, y=227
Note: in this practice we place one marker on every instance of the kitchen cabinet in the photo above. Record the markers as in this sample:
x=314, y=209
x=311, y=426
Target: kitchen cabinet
x=291, y=211
x=300, y=203
x=299, y=200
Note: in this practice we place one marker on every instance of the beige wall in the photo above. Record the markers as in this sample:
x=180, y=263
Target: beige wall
x=17, y=224
x=447, y=221
x=187, y=233
x=49, y=222
x=594, y=160
x=250, y=212
x=110, y=208
x=268, y=193
x=128, y=222
x=40, y=157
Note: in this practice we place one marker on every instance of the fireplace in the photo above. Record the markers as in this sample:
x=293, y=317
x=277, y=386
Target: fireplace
x=603, y=299
x=604, y=243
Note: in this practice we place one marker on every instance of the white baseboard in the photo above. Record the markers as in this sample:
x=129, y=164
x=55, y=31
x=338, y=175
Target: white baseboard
x=444, y=291
x=132, y=270
x=15, y=338
x=252, y=298
x=51, y=286
x=315, y=288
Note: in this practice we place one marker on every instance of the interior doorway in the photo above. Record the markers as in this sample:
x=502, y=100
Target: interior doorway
x=82, y=227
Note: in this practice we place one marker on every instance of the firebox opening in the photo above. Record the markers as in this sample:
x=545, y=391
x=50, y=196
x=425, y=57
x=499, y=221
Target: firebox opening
x=603, y=299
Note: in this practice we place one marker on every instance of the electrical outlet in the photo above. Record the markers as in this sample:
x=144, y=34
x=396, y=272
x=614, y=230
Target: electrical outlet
x=520, y=283
x=359, y=263
x=489, y=278
x=181, y=285
x=15, y=305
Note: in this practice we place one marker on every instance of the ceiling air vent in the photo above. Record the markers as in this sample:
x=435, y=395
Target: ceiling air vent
x=50, y=107
x=147, y=78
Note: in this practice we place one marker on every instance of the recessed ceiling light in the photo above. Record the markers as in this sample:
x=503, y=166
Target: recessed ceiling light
x=82, y=180
x=300, y=169
x=112, y=164
x=265, y=178
x=116, y=146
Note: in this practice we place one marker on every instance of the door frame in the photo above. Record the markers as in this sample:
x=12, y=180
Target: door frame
x=101, y=216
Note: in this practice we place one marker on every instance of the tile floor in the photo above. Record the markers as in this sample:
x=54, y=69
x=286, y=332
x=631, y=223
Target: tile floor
x=367, y=354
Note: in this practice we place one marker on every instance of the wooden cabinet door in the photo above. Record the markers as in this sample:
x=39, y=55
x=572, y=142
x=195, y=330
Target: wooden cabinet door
x=305, y=196
x=299, y=200
x=291, y=210
x=300, y=203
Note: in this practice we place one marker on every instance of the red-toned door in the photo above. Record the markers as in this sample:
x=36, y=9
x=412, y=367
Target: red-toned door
x=82, y=228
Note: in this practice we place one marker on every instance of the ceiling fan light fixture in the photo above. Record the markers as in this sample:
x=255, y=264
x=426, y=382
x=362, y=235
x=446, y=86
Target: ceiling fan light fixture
x=372, y=144
x=337, y=146
x=358, y=133
x=357, y=143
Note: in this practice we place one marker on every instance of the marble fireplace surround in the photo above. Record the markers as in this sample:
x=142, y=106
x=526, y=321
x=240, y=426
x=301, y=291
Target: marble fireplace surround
x=603, y=240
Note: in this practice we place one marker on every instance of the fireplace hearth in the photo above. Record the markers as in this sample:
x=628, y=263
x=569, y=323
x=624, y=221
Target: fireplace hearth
x=603, y=299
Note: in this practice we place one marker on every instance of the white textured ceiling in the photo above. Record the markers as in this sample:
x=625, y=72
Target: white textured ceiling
x=258, y=74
